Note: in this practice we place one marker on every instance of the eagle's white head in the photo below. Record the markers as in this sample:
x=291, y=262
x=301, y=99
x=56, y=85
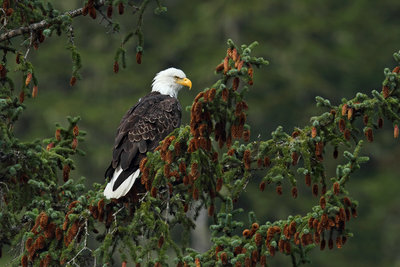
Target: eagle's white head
x=170, y=81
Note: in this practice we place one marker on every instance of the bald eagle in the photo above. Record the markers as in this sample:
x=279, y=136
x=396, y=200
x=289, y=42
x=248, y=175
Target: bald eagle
x=142, y=128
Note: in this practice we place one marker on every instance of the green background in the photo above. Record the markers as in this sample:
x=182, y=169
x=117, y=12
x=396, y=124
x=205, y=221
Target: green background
x=330, y=48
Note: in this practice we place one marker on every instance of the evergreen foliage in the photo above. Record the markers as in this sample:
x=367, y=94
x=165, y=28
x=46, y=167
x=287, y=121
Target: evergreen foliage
x=206, y=164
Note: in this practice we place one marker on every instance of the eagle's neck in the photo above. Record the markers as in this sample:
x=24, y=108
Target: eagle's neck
x=166, y=91
x=166, y=87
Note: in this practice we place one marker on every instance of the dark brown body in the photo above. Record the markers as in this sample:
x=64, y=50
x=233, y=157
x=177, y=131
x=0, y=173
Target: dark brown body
x=141, y=129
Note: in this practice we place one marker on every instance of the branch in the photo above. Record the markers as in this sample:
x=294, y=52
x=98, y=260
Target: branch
x=6, y=48
x=42, y=24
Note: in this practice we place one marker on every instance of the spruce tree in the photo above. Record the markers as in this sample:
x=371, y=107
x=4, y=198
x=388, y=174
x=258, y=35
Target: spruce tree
x=206, y=164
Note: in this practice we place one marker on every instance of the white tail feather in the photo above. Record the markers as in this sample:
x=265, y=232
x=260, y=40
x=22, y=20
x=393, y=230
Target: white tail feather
x=124, y=188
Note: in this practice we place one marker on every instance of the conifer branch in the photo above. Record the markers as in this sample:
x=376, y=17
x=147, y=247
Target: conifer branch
x=43, y=24
x=7, y=48
x=189, y=170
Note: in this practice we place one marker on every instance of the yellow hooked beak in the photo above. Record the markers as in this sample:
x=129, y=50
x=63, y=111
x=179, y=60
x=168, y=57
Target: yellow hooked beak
x=184, y=82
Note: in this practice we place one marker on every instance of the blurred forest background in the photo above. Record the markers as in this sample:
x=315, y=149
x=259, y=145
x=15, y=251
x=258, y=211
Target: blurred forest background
x=331, y=48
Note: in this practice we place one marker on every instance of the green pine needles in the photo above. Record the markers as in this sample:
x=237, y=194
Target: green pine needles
x=49, y=218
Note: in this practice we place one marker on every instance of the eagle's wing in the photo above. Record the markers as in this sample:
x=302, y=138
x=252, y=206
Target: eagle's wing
x=141, y=129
